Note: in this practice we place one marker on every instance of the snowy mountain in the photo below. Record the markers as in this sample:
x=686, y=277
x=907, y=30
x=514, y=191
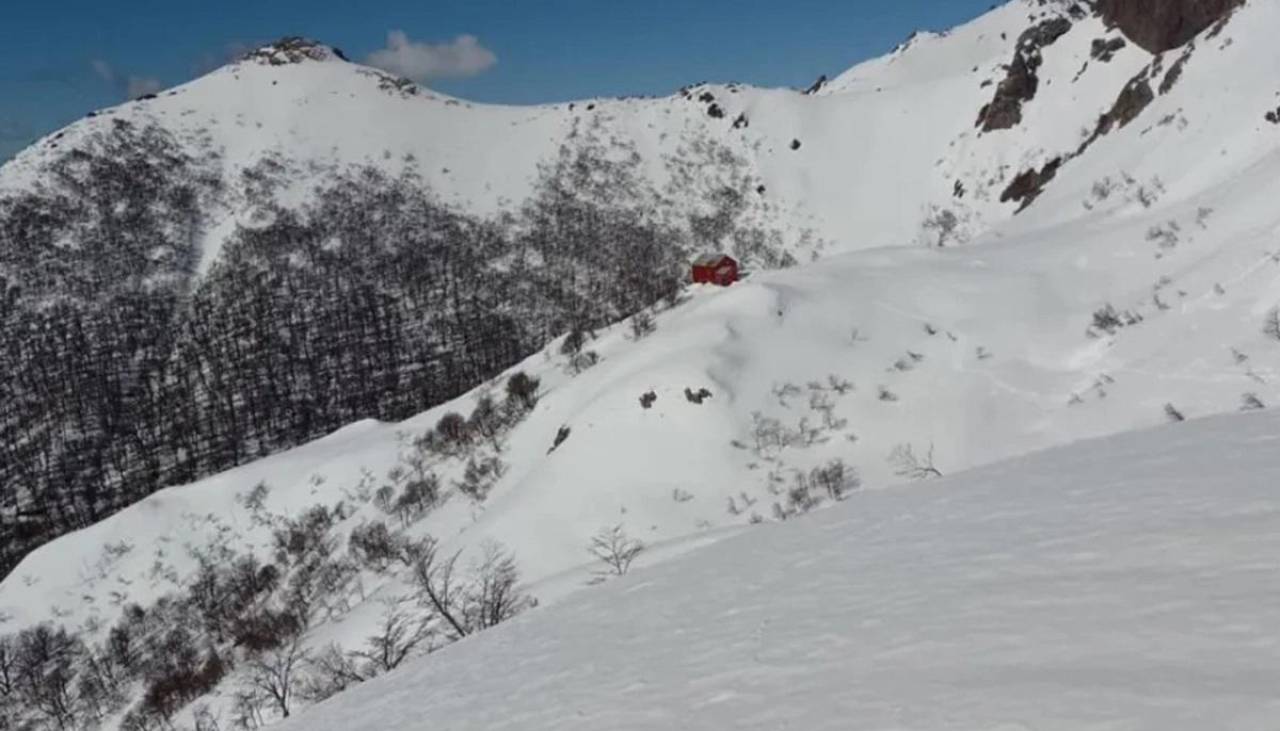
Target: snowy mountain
x=1024, y=232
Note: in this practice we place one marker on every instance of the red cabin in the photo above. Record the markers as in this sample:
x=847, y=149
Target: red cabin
x=718, y=269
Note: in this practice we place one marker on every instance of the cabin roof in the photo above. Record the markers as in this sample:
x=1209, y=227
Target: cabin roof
x=710, y=260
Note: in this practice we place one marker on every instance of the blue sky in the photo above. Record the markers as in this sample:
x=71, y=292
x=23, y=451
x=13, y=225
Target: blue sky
x=60, y=59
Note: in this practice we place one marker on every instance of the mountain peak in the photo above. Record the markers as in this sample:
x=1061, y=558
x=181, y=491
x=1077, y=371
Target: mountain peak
x=293, y=50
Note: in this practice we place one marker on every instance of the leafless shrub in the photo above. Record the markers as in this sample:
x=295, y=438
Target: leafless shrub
x=479, y=477
x=400, y=633
x=785, y=392
x=275, y=674
x=493, y=595
x=373, y=546
x=1271, y=325
x=840, y=385
x=642, y=325
x=583, y=361
x=522, y=391
x=908, y=464
x=835, y=479
x=464, y=607
x=329, y=672
x=942, y=226
x=615, y=550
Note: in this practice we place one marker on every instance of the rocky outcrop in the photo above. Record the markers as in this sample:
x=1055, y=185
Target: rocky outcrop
x=292, y=50
x=1159, y=25
x=1131, y=102
x=1105, y=49
x=1020, y=83
x=1029, y=184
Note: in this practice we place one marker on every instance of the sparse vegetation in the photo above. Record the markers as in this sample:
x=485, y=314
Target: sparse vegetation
x=615, y=549
x=906, y=463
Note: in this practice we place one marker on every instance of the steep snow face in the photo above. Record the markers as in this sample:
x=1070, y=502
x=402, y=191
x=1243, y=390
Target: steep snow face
x=1129, y=583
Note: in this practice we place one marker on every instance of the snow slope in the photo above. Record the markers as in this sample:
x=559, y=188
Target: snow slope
x=976, y=354
x=1128, y=583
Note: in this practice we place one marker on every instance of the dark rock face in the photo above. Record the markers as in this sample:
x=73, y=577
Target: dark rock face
x=292, y=50
x=1020, y=83
x=1159, y=25
x=1105, y=49
x=1030, y=183
x=1133, y=99
x=1274, y=117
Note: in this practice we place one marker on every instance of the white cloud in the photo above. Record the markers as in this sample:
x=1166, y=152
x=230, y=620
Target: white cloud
x=131, y=86
x=103, y=70
x=141, y=86
x=463, y=56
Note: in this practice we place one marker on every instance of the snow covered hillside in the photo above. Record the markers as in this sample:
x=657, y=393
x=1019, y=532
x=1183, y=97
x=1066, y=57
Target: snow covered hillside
x=862, y=163
x=1138, y=285
x=1128, y=583
x=324, y=211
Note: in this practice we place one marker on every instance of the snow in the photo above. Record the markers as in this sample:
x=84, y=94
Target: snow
x=1127, y=583
x=881, y=147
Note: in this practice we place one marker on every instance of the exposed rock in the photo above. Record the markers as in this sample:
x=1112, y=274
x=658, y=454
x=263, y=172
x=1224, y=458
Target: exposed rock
x=1274, y=117
x=1030, y=183
x=1159, y=25
x=1020, y=83
x=1133, y=99
x=1175, y=71
x=293, y=50
x=817, y=85
x=1104, y=49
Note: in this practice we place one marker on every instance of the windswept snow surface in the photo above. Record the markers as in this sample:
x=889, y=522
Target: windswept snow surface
x=1127, y=583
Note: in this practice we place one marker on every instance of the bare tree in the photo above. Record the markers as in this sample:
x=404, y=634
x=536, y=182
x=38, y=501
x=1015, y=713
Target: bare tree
x=522, y=390
x=1271, y=326
x=494, y=595
x=836, y=479
x=491, y=597
x=642, y=325
x=615, y=549
x=908, y=464
x=45, y=673
x=275, y=674
x=434, y=576
x=399, y=634
x=330, y=672
x=8, y=666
